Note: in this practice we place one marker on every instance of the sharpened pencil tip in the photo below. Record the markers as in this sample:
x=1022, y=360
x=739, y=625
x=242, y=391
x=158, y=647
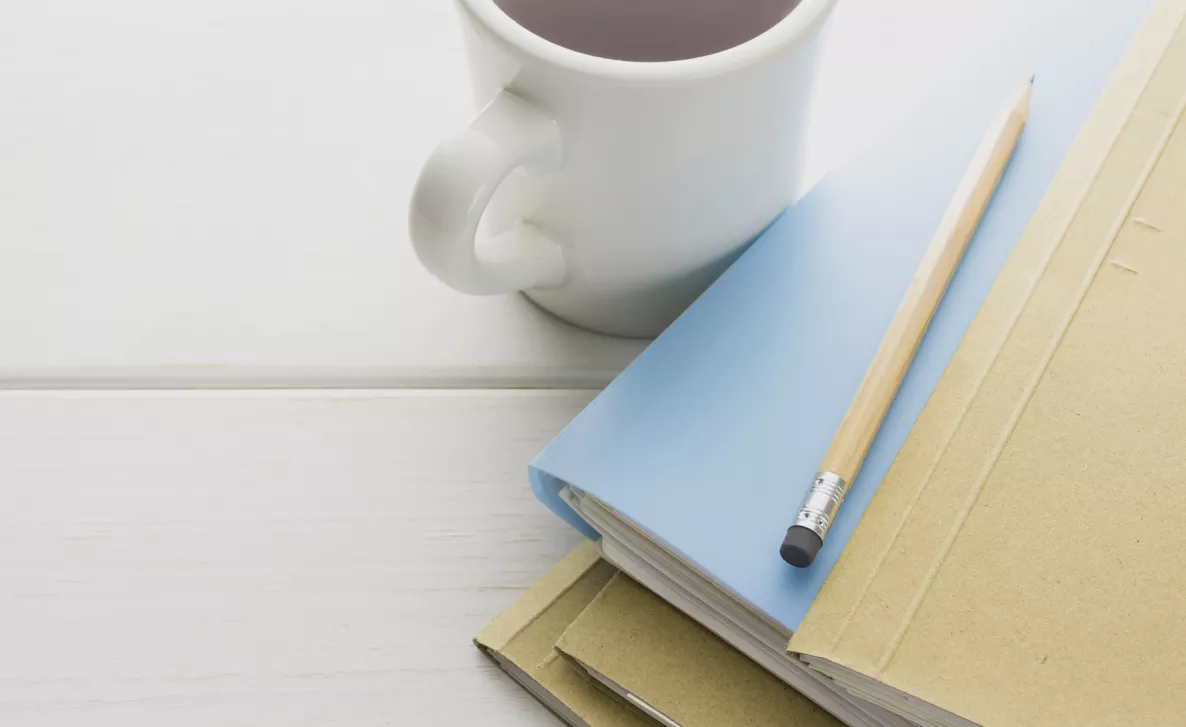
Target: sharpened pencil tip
x=1032, y=77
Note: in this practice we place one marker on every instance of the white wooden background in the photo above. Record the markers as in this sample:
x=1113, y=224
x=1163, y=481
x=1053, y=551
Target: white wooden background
x=256, y=466
x=201, y=558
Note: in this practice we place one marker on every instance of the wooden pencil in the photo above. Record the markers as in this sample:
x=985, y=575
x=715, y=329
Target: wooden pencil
x=851, y=442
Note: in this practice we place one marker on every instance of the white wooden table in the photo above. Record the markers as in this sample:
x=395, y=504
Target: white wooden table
x=256, y=466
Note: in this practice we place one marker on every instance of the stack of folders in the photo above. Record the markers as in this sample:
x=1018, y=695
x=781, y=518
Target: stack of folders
x=599, y=650
x=1010, y=553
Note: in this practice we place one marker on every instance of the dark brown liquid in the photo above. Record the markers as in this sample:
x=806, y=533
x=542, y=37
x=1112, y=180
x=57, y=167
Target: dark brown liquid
x=648, y=30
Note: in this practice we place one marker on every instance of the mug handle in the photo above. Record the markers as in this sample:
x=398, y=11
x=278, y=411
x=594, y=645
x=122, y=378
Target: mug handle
x=457, y=183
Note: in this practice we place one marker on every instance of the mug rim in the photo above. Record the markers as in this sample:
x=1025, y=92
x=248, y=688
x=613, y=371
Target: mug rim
x=801, y=22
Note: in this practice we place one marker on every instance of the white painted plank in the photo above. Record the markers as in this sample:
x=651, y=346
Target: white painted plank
x=214, y=193
x=267, y=559
x=210, y=193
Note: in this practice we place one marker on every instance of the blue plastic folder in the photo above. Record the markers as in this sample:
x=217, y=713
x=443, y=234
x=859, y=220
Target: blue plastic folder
x=710, y=439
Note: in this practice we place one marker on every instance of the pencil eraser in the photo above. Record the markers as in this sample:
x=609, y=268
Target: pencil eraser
x=800, y=546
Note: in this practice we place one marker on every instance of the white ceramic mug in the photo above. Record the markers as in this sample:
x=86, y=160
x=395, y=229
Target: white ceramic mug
x=625, y=152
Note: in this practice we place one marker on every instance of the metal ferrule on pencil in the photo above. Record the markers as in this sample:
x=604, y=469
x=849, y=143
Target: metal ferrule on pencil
x=822, y=503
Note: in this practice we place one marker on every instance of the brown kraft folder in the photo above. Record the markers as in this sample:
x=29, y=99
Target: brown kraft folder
x=1022, y=562
x=521, y=640
x=651, y=652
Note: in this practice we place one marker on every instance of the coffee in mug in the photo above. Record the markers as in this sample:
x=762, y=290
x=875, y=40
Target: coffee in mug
x=648, y=30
